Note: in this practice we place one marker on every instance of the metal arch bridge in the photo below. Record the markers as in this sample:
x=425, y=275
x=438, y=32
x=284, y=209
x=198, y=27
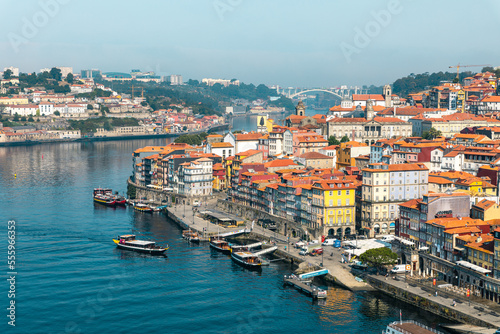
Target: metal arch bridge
x=316, y=90
x=342, y=92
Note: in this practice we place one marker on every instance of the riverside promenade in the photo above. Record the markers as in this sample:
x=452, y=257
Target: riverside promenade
x=340, y=274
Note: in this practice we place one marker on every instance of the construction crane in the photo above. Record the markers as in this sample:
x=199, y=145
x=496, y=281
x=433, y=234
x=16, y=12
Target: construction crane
x=458, y=67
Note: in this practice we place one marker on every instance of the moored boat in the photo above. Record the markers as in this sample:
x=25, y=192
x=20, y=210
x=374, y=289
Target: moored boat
x=220, y=244
x=191, y=236
x=120, y=200
x=129, y=242
x=409, y=327
x=248, y=259
x=141, y=207
x=104, y=199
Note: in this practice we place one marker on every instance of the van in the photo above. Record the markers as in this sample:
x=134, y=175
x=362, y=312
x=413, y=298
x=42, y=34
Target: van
x=196, y=203
x=304, y=251
x=399, y=269
x=328, y=242
x=387, y=238
x=300, y=244
x=317, y=251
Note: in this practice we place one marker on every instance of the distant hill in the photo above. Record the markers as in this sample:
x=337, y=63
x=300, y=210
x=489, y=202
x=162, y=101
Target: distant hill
x=415, y=83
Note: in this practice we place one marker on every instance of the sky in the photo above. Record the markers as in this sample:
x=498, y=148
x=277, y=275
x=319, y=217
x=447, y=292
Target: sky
x=319, y=43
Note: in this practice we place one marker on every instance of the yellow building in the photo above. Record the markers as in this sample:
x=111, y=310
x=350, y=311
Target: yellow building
x=219, y=174
x=480, y=252
x=348, y=151
x=485, y=210
x=476, y=186
x=333, y=203
x=15, y=100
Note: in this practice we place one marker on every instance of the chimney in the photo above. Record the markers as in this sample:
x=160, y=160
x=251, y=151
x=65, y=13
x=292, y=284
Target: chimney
x=479, y=239
x=394, y=111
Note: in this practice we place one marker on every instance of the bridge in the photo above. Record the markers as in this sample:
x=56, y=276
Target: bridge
x=341, y=92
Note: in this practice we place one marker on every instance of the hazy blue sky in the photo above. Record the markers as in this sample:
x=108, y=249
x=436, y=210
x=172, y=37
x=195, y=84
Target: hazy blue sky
x=285, y=42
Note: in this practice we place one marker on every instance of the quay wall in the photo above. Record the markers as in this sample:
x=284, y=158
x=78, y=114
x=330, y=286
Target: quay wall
x=422, y=302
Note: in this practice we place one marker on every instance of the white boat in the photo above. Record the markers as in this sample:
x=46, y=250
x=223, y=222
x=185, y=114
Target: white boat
x=409, y=327
x=248, y=259
x=129, y=242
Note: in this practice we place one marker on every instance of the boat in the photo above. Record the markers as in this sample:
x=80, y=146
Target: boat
x=191, y=236
x=220, y=244
x=409, y=327
x=120, y=200
x=248, y=259
x=129, y=242
x=141, y=207
x=305, y=286
x=102, y=198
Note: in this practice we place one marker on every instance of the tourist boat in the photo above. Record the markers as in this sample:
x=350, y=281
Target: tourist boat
x=104, y=199
x=408, y=327
x=129, y=242
x=220, y=244
x=191, y=236
x=141, y=207
x=120, y=200
x=248, y=259
x=305, y=286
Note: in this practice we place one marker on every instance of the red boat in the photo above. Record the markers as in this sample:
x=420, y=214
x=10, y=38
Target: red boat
x=105, y=196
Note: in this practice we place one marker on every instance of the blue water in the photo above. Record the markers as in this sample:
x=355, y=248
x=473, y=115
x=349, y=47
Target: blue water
x=72, y=279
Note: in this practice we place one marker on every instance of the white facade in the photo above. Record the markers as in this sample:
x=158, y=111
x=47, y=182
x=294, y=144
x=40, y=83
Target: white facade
x=275, y=143
x=196, y=179
x=46, y=108
x=22, y=109
x=14, y=70
x=287, y=142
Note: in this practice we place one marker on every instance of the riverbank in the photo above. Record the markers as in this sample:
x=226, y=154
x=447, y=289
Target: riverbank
x=114, y=138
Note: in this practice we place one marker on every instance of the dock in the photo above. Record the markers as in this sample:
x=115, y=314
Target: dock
x=267, y=250
x=305, y=286
x=254, y=245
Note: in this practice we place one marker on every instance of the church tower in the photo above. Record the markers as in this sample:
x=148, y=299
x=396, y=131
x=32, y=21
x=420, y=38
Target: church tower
x=369, y=112
x=300, y=109
x=387, y=93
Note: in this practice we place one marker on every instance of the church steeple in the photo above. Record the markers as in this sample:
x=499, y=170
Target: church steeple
x=300, y=109
x=369, y=112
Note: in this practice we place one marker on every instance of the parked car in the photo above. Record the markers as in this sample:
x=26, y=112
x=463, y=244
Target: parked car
x=328, y=242
x=304, y=251
x=300, y=244
x=399, y=269
x=313, y=242
x=317, y=251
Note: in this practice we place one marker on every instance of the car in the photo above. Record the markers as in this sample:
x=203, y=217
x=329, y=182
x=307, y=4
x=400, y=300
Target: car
x=300, y=244
x=317, y=251
x=313, y=242
x=328, y=242
x=400, y=269
x=303, y=251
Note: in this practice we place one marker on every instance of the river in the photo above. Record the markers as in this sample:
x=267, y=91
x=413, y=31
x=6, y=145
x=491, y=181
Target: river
x=72, y=279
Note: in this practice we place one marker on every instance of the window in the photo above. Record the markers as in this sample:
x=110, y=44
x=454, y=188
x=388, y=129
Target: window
x=339, y=202
x=339, y=193
x=347, y=202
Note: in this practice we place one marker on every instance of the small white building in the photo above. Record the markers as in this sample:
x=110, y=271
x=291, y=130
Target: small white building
x=22, y=109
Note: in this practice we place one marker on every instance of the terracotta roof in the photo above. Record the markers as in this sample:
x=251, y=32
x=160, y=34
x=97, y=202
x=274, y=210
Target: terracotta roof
x=365, y=97
x=314, y=155
x=280, y=163
x=439, y=180
x=248, y=136
x=221, y=145
x=485, y=204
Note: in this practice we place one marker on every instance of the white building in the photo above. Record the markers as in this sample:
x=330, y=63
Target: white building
x=223, y=82
x=174, y=79
x=195, y=178
x=223, y=149
x=46, y=108
x=22, y=109
x=14, y=70
x=65, y=70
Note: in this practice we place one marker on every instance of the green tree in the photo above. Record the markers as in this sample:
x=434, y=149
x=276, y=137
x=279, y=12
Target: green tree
x=55, y=74
x=144, y=103
x=130, y=191
x=70, y=78
x=90, y=107
x=16, y=117
x=333, y=141
x=38, y=113
x=378, y=257
x=30, y=119
x=23, y=118
x=431, y=134
x=57, y=113
x=344, y=139
x=107, y=126
x=7, y=74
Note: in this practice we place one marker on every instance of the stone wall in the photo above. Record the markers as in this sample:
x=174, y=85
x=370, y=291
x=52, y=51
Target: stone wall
x=285, y=226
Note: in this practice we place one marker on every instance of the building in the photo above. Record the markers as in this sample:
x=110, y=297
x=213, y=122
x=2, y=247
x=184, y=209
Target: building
x=90, y=74
x=315, y=160
x=348, y=152
x=222, y=149
x=243, y=141
x=223, y=82
x=174, y=79
x=485, y=210
x=384, y=188
x=195, y=178
x=368, y=129
x=14, y=70
x=333, y=205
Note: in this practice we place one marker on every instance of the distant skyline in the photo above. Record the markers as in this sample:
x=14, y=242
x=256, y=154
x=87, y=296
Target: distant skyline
x=289, y=43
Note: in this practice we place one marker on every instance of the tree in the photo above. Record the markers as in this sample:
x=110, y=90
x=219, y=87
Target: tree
x=144, y=103
x=57, y=113
x=333, y=141
x=30, y=119
x=431, y=134
x=55, y=74
x=90, y=107
x=7, y=74
x=378, y=257
x=23, y=118
x=344, y=139
x=70, y=78
x=16, y=117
